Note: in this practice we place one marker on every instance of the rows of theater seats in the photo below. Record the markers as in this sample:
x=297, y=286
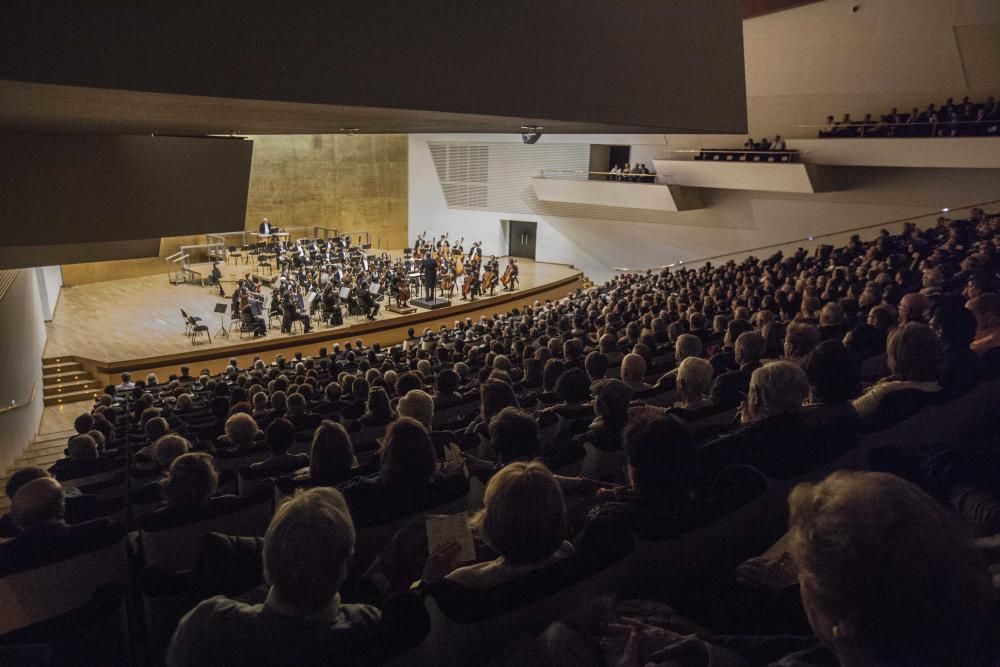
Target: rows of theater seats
x=693, y=347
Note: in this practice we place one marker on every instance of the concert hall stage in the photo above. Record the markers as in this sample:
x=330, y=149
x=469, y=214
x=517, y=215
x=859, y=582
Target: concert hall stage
x=135, y=324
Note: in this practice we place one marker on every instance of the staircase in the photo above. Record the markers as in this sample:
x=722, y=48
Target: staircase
x=65, y=381
x=43, y=452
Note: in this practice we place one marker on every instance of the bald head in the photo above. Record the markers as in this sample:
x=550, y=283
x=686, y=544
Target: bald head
x=914, y=307
x=38, y=502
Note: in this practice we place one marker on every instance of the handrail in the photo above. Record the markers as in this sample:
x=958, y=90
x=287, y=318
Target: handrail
x=861, y=123
x=751, y=251
x=14, y=405
x=762, y=151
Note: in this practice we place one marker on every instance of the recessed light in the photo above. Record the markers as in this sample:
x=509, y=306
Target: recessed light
x=945, y=209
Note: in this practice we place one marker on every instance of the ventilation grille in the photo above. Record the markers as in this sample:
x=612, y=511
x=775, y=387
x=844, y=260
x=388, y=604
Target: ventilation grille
x=464, y=171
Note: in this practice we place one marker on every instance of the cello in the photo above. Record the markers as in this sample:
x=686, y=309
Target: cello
x=508, y=274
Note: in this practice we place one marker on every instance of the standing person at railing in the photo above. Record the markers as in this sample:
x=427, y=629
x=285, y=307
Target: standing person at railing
x=779, y=143
x=616, y=172
x=626, y=173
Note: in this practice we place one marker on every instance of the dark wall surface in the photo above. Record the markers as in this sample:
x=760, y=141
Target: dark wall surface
x=673, y=65
x=60, y=189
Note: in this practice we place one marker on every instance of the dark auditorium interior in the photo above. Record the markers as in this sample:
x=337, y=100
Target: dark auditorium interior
x=562, y=332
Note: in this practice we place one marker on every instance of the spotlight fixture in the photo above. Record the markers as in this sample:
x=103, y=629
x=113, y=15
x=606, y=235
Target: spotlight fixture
x=349, y=131
x=530, y=134
x=945, y=209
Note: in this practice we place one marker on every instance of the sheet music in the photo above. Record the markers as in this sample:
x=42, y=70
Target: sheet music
x=444, y=528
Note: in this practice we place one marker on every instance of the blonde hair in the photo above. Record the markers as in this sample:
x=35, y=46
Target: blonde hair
x=875, y=549
x=307, y=548
x=524, y=515
x=696, y=374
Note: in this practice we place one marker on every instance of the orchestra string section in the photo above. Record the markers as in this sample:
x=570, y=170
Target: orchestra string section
x=326, y=280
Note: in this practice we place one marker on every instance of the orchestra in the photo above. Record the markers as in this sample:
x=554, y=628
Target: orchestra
x=325, y=279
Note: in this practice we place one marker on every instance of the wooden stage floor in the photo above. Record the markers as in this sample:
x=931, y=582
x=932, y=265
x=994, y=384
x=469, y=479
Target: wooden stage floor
x=119, y=321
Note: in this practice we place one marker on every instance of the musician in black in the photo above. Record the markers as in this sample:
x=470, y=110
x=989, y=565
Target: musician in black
x=429, y=268
x=216, y=274
x=251, y=311
x=367, y=301
x=291, y=305
x=512, y=271
x=266, y=227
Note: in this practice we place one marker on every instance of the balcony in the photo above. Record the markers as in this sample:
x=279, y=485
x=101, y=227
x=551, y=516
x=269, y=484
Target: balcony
x=593, y=188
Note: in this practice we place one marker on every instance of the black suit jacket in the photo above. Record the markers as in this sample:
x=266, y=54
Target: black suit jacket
x=265, y=228
x=730, y=388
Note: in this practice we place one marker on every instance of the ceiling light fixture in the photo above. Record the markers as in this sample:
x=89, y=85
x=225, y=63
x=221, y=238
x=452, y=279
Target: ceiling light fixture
x=349, y=131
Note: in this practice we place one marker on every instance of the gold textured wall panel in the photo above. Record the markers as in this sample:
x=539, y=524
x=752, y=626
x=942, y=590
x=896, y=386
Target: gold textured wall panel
x=349, y=183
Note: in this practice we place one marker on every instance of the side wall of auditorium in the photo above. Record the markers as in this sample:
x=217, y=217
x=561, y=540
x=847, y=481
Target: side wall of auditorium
x=349, y=183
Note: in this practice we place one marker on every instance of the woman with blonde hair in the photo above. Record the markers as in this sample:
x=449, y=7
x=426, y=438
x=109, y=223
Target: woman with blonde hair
x=523, y=519
x=886, y=575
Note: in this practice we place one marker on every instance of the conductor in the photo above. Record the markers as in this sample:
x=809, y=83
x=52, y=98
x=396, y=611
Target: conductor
x=266, y=227
x=429, y=267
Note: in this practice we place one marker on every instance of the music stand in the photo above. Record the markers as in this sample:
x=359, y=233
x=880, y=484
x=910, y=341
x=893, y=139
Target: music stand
x=221, y=309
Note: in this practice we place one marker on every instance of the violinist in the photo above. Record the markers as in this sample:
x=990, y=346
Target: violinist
x=367, y=301
x=250, y=312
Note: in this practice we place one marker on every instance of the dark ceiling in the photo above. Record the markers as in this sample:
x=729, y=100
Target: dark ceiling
x=753, y=8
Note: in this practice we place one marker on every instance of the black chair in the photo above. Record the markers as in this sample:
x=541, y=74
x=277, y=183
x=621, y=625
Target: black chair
x=197, y=329
x=188, y=322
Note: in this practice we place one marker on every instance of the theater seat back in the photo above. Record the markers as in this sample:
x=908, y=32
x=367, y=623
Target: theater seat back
x=177, y=548
x=41, y=593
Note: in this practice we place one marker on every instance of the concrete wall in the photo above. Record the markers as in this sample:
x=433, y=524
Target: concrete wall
x=22, y=340
x=49, y=284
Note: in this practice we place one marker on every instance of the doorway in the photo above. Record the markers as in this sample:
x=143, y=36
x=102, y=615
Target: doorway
x=522, y=236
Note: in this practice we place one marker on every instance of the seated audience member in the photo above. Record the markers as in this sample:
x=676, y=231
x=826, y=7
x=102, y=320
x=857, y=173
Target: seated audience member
x=514, y=436
x=686, y=346
x=693, y=404
x=914, y=307
x=986, y=308
x=773, y=436
x=725, y=359
x=331, y=457
x=632, y=373
x=494, y=396
x=446, y=389
x=298, y=414
x=331, y=405
x=596, y=365
x=189, y=488
x=79, y=508
x=126, y=383
x=38, y=510
x=834, y=381
x=241, y=434
x=611, y=402
x=419, y=405
x=279, y=438
x=408, y=481
x=915, y=361
x=84, y=460
x=729, y=389
x=955, y=326
x=523, y=520
x=551, y=373
x=573, y=391
x=661, y=498
x=886, y=575
x=831, y=322
x=800, y=339
x=379, y=410
x=303, y=621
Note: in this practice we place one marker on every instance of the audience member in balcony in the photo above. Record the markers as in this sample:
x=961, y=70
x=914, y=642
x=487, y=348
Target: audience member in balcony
x=279, y=438
x=915, y=358
x=523, y=519
x=687, y=345
x=778, y=144
x=831, y=322
x=986, y=309
x=307, y=549
x=409, y=479
x=84, y=460
x=886, y=576
x=38, y=510
x=730, y=388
